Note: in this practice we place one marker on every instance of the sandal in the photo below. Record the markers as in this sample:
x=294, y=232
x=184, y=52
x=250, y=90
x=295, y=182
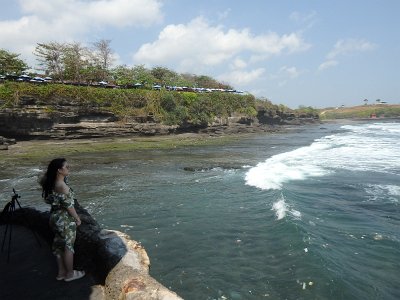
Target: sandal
x=76, y=275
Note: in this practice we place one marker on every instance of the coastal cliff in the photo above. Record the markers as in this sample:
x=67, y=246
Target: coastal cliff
x=32, y=120
x=65, y=112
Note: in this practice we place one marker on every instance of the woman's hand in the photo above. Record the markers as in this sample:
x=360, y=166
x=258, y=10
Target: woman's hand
x=78, y=221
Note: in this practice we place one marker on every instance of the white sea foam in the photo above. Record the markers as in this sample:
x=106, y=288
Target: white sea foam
x=296, y=214
x=389, y=193
x=280, y=207
x=393, y=190
x=367, y=147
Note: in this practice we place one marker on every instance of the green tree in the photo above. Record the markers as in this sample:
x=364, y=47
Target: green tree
x=103, y=57
x=75, y=62
x=51, y=58
x=123, y=75
x=164, y=76
x=11, y=63
x=142, y=75
x=307, y=110
x=186, y=79
x=205, y=82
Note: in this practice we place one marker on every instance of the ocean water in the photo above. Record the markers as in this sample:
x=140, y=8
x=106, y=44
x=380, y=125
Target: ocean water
x=308, y=214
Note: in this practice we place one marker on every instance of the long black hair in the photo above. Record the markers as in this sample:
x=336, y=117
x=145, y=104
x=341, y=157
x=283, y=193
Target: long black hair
x=49, y=178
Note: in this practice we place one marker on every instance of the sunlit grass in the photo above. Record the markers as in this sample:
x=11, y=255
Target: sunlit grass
x=364, y=111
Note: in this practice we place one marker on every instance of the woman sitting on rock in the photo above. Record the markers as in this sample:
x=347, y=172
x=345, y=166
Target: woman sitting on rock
x=63, y=217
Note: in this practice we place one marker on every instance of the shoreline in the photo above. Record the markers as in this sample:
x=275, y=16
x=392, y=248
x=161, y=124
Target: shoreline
x=36, y=150
x=41, y=150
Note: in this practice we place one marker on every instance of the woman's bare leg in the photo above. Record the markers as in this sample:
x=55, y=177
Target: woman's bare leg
x=68, y=259
x=62, y=272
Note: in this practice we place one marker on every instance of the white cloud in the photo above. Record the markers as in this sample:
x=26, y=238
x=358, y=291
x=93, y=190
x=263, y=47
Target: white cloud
x=284, y=75
x=21, y=35
x=68, y=20
x=307, y=20
x=238, y=63
x=116, y=13
x=188, y=46
x=327, y=64
x=347, y=46
x=290, y=72
x=302, y=17
x=242, y=77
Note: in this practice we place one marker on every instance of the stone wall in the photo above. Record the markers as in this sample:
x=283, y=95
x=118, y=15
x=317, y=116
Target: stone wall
x=118, y=264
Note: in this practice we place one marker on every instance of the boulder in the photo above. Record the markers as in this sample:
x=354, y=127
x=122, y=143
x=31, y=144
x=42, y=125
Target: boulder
x=118, y=264
x=4, y=143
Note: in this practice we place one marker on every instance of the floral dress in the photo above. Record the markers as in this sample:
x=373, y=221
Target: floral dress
x=61, y=222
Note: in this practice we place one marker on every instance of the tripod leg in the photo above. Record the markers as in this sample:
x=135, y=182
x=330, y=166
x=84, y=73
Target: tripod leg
x=8, y=230
x=5, y=215
x=9, y=244
x=4, y=237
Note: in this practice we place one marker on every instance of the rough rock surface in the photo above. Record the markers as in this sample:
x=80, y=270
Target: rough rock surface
x=66, y=119
x=4, y=143
x=119, y=265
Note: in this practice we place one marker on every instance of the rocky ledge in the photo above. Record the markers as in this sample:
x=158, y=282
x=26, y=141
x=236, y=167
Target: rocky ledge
x=119, y=265
x=4, y=143
x=66, y=119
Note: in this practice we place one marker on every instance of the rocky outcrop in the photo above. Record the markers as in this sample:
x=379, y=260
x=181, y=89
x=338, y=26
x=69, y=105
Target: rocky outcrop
x=118, y=264
x=4, y=143
x=265, y=116
x=129, y=278
x=39, y=122
x=70, y=119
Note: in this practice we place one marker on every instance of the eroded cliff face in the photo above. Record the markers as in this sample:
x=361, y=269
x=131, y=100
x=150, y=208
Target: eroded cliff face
x=68, y=119
x=32, y=119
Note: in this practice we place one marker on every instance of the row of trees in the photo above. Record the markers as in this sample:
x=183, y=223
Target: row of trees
x=124, y=75
x=77, y=63
x=74, y=62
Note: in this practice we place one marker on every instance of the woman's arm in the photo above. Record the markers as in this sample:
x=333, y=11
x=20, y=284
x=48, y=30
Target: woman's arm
x=62, y=187
x=72, y=212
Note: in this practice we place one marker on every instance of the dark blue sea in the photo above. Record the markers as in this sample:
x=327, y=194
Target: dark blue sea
x=312, y=213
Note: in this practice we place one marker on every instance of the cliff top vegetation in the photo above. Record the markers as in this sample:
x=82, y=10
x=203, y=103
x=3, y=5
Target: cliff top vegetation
x=72, y=63
x=168, y=107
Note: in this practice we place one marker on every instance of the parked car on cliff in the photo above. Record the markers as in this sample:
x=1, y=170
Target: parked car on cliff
x=24, y=78
x=37, y=80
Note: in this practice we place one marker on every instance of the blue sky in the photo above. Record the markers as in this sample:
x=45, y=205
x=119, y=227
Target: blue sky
x=313, y=53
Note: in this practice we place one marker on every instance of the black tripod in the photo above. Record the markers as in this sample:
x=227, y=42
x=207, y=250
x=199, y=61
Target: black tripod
x=6, y=216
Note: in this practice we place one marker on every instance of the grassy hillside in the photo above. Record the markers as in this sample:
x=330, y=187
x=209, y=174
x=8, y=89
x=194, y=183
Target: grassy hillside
x=167, y=107
x=364, y=111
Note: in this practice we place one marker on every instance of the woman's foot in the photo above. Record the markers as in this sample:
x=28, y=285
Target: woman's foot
x=60, y=277
x=74, y=275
